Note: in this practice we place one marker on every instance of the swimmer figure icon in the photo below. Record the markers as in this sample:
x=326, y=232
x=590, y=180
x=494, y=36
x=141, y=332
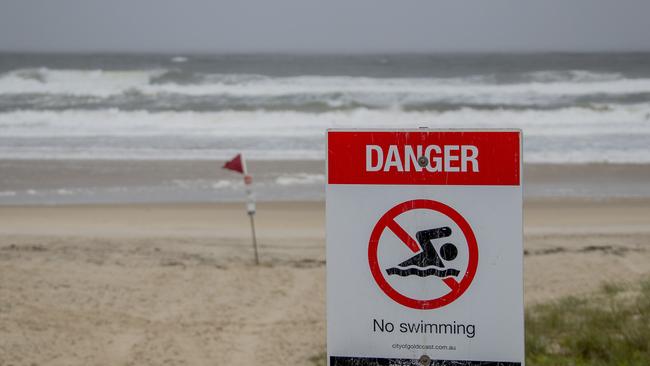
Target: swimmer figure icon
x=428, y=262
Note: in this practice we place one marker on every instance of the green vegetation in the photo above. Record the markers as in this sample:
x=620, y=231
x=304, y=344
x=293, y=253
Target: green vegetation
x=319, y=360
x=610, y=328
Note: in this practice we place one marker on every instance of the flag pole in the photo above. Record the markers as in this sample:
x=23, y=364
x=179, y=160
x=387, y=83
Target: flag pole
x=250, y=207
x=257, y=259
x=238, y=164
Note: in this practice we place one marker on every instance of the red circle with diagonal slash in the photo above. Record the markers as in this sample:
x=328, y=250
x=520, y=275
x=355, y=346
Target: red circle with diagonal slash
x=387, y=221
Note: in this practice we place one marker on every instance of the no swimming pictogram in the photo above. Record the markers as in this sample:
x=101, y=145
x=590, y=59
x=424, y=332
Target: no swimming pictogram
x=429, y=262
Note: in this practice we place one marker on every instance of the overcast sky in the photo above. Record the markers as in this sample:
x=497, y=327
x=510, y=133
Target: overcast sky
x=324, y=26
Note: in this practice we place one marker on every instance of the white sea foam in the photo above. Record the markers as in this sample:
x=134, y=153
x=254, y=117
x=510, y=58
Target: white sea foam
x=616, y=133
x=207, y=184
x=300, y=178
x=573, y=121
x=221, y=184
x=573, y=76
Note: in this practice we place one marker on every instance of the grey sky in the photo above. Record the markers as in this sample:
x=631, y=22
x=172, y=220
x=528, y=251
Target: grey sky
x=324, y=26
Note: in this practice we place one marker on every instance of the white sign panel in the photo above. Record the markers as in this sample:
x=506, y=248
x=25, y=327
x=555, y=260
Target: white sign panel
x=424, y=248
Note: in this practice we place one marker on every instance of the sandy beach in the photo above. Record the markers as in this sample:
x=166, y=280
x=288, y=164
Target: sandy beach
x=174, y=284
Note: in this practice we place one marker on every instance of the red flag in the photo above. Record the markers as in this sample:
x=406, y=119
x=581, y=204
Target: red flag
x=236, y=164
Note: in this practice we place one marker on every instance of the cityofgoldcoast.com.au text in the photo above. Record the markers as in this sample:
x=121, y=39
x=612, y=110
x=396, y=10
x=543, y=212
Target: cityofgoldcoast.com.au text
x=425, y=347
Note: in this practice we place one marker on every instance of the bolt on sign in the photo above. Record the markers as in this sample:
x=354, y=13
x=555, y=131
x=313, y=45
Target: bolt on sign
x=424, y=247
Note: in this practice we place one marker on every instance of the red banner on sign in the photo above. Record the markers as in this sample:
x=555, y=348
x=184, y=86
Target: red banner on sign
x=424, y=157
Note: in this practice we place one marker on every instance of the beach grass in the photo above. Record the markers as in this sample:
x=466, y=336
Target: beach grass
x=319, y=359
x=612, y=327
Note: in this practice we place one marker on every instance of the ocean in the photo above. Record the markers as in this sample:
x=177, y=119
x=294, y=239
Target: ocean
x=73, y=110
x=573, y=108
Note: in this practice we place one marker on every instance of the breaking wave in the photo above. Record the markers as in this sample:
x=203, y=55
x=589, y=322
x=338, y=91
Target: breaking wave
x=177, y=89
x=180, y=110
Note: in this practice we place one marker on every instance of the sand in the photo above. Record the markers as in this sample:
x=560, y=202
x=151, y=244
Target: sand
x=173, y=284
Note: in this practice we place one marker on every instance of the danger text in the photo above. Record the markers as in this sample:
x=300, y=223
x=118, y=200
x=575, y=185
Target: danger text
x=446, y=158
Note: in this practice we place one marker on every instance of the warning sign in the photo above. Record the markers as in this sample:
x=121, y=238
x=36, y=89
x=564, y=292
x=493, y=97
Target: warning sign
x=424, y=247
